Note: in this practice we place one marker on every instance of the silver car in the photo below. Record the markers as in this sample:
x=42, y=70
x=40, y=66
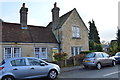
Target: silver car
x=98, y=59
x=27, y=68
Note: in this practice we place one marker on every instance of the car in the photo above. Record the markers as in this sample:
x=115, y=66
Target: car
x=27, y=68
x=98, y=59
x=117, y=57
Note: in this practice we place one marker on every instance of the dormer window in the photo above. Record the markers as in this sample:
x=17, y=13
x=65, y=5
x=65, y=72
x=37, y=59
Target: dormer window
x=75, y=32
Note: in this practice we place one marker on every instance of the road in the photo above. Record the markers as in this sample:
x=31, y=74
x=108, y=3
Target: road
x=108, y=72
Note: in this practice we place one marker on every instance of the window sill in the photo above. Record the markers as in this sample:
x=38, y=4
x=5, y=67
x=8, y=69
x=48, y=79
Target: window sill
x=76, y=38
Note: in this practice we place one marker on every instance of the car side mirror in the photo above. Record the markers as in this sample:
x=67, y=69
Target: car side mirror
x=109, y=56
x=42, y=64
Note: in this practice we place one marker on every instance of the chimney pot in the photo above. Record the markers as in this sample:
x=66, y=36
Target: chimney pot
x=23, y=16
x=24, y=5
x=55, y=5
x=55, y=16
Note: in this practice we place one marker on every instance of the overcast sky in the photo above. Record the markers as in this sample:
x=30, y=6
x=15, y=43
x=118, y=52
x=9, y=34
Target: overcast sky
x=103, y=12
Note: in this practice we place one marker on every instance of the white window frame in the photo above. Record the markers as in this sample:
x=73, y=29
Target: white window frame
x=79, y=49
x=76, y=32
x=40, y=53
x=6, y=54
x=19, y=52
x=12, y=52
x=45, y=54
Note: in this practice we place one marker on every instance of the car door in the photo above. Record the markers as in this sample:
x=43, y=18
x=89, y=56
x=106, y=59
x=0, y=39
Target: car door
x=100, y=58
x=19, y=68
x=107, y=58
x=37, y=70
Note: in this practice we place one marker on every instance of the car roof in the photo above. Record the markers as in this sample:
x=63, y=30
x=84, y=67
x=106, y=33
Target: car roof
x=118, y=53
x=97, y=52
x=9, y=59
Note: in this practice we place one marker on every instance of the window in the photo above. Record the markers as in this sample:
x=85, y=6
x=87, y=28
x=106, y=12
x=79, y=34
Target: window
x=33, y=62
x=99, y=55
x=44, y=53
x=105, y=55
x=37, y=51
x=75, y=51
x=40, y=53
x=18, y=62
x=36, y=62
x=17, y=52
x=12, y=52
x=91, y=55
x=7, y=53
x=3, y=62
x=72, y=51
x=75, y=32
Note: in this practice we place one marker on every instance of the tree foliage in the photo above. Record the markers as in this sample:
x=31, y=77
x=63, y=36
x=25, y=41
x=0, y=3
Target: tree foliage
x=94, y=39
x=118, y=39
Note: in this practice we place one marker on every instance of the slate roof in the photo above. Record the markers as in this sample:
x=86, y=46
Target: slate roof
x=12, y=32
x=64, y=17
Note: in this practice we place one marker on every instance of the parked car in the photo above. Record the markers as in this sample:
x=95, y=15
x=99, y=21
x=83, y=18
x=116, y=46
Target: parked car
x=98, y=59
x=27, y=68
x=117, y=57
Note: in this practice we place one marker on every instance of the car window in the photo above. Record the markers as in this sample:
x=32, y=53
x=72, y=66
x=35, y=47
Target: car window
x=90, y=55
x=3, y=62
x=34, y=62
x=18, y=62
x=117, y=54
x=99, y=55
x=105, y=55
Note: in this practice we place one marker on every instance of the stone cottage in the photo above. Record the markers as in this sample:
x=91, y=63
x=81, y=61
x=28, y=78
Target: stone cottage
x=67, y=33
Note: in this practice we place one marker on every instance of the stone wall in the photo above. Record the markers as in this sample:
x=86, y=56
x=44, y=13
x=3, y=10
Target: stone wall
x=27, y=49
x=67, y=40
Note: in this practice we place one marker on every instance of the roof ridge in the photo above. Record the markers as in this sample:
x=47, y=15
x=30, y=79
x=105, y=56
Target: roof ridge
x=64, y=17
x=67, y=12
x=27, y=25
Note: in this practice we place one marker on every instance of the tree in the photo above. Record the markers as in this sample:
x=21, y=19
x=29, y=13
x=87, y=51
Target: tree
x=118, y=39
x=94, y=39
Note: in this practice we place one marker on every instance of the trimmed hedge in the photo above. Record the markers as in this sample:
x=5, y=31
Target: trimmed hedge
x=86, y=52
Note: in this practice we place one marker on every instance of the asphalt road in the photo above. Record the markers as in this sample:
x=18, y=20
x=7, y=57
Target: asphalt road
x=108, y=72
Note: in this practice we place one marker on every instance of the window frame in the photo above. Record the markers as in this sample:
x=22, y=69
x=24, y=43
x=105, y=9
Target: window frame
x=105, y=55
x=76, y=32
x=40, y=53
x=18, y=65
x=73, y=50
x=12, y=52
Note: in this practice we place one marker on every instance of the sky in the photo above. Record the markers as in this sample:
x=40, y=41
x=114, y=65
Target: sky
x=103, y=12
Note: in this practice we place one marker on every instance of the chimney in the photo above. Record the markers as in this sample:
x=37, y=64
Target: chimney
x=23, y=17
x=55, y=16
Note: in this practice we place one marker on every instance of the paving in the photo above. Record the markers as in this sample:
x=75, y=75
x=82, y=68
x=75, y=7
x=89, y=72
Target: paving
x=66, y=69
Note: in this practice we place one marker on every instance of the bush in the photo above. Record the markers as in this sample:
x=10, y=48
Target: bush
x=60, y=56
x=82, y=55
x=86, y=52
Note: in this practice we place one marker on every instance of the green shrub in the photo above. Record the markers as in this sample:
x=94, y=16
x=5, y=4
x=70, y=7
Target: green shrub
x=60, y=56
x=86, y=52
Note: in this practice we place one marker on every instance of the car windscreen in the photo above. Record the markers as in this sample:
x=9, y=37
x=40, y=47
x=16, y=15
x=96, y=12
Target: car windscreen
x=117, y=54
x=3, y=62
x=90, y=55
